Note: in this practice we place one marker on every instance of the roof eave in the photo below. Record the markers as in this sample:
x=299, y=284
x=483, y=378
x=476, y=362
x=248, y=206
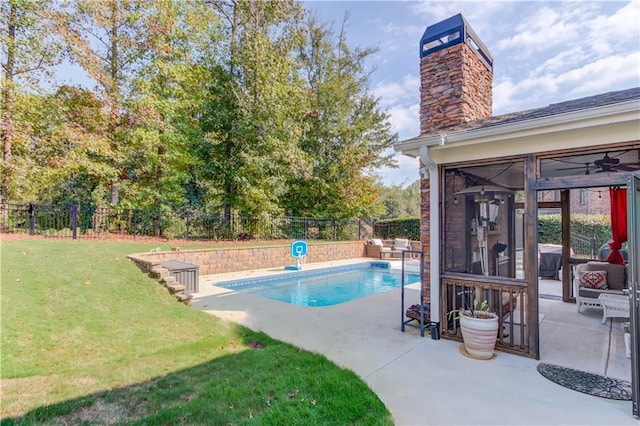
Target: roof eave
x=539, y=125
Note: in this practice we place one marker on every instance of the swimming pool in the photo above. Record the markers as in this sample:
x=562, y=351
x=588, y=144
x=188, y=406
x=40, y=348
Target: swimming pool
x=325, y=287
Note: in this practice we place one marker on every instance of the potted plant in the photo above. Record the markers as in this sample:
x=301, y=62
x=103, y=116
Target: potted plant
x=479, y=328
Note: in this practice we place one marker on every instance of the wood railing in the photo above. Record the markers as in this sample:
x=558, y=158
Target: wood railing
x=506, y=297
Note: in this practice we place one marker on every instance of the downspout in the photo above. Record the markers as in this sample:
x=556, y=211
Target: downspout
x=434, y=229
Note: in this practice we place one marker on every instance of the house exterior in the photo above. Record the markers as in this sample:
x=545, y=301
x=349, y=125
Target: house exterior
x=483, y=179
x=583, y=201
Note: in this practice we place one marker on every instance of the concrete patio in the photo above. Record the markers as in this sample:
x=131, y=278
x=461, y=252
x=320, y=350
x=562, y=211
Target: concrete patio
x=424, y=381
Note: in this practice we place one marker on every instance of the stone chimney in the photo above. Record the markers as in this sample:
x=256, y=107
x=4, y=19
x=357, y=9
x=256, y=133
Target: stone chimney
x=456, y=73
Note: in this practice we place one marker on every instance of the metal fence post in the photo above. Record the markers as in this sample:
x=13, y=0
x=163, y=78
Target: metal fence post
x=74, y=221
x=135, y=222
x=186, y=231
x=32, y=219
x=232, y=226
x=335, y=230
x=593, y=247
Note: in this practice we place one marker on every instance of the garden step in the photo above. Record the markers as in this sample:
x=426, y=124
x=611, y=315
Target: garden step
x=169, y=280
x=176, y=287
x=185, y=298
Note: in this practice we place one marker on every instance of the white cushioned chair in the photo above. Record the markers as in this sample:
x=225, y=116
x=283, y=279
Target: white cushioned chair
x=401, y=244
x=587, y=296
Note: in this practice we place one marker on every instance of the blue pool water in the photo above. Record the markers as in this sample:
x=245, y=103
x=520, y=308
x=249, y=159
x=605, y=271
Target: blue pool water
x=325, y=287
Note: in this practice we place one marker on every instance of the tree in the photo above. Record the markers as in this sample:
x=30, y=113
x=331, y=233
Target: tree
x=256, y=99
x=348, y=132
x=398, y=201
x=165, y=97
x=109, y=40
x=29, y=49
x=64, y=159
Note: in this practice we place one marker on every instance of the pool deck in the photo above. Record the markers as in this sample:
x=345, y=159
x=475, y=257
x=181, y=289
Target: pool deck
x=429, y=382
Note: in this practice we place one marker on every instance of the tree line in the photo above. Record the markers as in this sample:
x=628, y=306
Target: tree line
x=250, y=107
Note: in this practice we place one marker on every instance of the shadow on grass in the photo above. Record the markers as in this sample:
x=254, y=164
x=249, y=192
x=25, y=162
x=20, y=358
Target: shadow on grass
x=266, y=382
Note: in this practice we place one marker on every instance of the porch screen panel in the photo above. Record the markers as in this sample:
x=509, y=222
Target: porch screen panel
x=456, y=248
x=482, y=213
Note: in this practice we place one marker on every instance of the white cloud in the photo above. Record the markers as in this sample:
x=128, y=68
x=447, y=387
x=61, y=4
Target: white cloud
x=401, y=100
x=406, y=32
x=559, y=62
x=406, y=173
x=392, y=92
x=600, y=28
x=405, y=120
x=565, y=50
x=607, y=74
x=504, y=95
x=617, y=29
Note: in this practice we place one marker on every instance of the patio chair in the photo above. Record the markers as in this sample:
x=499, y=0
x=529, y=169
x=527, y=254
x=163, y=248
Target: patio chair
x=377, y=249
x=606, y=278
x=400, y=245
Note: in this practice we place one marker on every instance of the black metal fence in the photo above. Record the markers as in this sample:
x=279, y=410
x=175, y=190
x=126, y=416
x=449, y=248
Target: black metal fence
x=398, y=228
x=584, y=247
x=85, y=223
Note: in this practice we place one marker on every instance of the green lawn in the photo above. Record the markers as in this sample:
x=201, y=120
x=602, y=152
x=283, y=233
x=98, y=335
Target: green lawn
x=87, y=338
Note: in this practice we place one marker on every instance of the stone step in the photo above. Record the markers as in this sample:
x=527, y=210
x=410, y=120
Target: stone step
x=185, y=298
x=176, y=287
x=160, y=273
x=169, y=280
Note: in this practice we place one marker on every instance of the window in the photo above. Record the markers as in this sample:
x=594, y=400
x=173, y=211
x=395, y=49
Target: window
x=583, y=196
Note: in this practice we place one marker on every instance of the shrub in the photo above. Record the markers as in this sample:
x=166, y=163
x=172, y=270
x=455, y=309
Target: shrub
x=399, y=228
x=587, y=225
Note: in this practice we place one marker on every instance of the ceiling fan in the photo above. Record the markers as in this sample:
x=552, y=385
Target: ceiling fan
x=606, y=164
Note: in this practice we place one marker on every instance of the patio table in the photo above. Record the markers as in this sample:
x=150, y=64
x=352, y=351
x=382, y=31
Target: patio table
x=614, y=305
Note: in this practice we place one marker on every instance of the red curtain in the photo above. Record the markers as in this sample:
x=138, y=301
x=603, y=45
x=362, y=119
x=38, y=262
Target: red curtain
x=618, y=224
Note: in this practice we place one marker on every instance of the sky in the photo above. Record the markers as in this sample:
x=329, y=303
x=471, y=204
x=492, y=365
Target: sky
x=544, y=52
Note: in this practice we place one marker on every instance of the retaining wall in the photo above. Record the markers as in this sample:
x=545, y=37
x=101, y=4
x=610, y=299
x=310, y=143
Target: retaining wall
x=221, y=260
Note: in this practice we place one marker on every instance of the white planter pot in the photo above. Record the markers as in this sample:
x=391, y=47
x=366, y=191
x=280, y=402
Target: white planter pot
x=479, y=335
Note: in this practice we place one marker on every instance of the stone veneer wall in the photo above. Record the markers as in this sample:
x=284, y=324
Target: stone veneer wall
x=455, y=88
x=220, y=260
